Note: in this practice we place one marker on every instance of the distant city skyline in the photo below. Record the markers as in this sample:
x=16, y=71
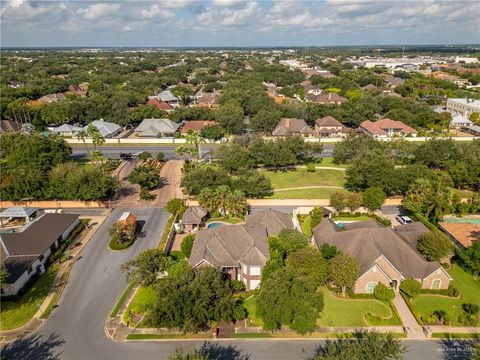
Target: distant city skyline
x=224, y=23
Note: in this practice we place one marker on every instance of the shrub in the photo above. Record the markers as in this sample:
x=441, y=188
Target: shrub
x=453, y=291
x=383, y=293
x=434, y=246
x=311, y=167
x=176, y=207
x=239, y=312
x=144, y=155
x=216, y=214
x=471, y=309
x=467, y=319
x=411, y=287
x=187, y=245
x=384, y=221
x=328, y=251
x=316, y=215
x=145, y=194
x=238, y=285
x=160, y=156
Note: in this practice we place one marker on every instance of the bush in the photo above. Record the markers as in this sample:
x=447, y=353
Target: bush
x=411, y=287
x=384, y=221
x=383, y=293
x=239, y=312
x=187, y=245
x=145, y=194
x=114, y=244
x=311, y=167
x=177, y=255
x=471, y=309
x=216, y=214
x=160, y=156
x=467, y=319
x=434, y=246
x=176, y=207
x=316, y=216
x=238, y=285
x=144, y=155
x=453, y=291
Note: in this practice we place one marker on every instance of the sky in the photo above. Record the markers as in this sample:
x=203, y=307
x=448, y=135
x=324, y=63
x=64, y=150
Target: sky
x=220, y=23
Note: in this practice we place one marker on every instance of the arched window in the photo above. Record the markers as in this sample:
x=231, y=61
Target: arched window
x=370, y=287
x=436, y=284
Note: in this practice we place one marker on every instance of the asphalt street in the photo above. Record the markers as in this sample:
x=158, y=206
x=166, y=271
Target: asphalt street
x=75, y=330
x=113, y=152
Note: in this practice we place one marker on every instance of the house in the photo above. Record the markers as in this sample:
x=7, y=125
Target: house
x=464, y=106
x=473, y=129
x=241, y=250
x=384, y=254
x=209, y=100
x=326, y=98
x=156, y=128
x=51, y=98
x=449, y=77
x=279, y=98
x=464, y=234
x=24, y=253
x=107, y=129
x=161, y=105
x=459, y=121
x=80, y=90
x=369, y=87
x=196, y=126
x=66, y=130
x=328, y=126
x=292, y=126
x=168, y=97
x=309, y=89
x=393, y=81
x=386, y=128
x=193, y=218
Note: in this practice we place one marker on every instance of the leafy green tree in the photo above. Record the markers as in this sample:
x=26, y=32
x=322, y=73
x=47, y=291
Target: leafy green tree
x=146, y=266
x=146, y=176
x=310, y=262
x=328, y=251
x=160, y=156
x=383, y=293
x=237, y=203
x=145, y=155
x=176, y=206
x=212, y=132
x=233, y=157
x=316, y=215
x=265, y=120
x=434, y=246
x=366, y=345
x=208, y=199
x=354, y=201
x=253, y=184
x=204, y=177
x=289, y=298
x=95, y=135
x=187, y=244
x=230, y=117
x=287, y=242
x=82, y=136
x=469, y=259
x=373, y=198
x=343, y=271
x=338, y=200
x=192, y=300
x=411, y=287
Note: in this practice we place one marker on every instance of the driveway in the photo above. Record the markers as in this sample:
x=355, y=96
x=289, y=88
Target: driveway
x=170, y=179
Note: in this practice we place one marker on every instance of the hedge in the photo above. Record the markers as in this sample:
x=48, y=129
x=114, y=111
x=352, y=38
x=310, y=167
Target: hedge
x=115, y=245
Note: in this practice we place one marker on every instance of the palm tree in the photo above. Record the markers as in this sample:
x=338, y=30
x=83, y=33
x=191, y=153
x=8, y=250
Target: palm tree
x=94, y=133
x=208, y=199
x=236, y=203
x=222, y=194
x=194, y=139
x=82, y=135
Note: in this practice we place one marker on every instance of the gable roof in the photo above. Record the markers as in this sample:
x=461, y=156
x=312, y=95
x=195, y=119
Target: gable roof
x=194, y=215
x=465, y=233
x=461, y=120
x=367, y=244
x=106, y=128
x=154, y=127
x=326, y=98
x=380, y=127
x=328, y=121
x=196, y=125
x=66, y=128
x=18, y=212
x=208, y=98
x=292, y=126
x=273, y=220
x=167, y=95
x=162, y=105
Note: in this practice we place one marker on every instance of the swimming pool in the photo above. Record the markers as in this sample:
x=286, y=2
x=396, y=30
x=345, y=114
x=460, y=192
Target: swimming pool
x=214, y=225
x=463, y=220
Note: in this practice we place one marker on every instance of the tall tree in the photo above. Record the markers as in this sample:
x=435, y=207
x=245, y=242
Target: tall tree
x=343, y=271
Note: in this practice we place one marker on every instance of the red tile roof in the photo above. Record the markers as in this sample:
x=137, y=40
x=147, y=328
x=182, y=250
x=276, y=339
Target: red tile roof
x=196, y=125
x=465, y=233
x=162, y=105
x=381, y=126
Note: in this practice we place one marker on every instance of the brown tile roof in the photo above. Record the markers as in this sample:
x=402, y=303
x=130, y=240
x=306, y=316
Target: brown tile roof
x=381, y=126
x=328, y=121
x=291, y=126
x=162, y=105
x=465, y=233
x=326, y=98
x=196, y=125
x=8, y=125
x=369, y=243
x=273, y=220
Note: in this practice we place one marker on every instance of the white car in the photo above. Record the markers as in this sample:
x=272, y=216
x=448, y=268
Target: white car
x=403, y=219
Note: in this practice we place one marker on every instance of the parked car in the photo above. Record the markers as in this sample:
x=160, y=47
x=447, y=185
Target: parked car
x=126, y=156
x=402, y=219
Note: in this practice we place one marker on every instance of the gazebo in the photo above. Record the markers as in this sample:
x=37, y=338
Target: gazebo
x=18, y=212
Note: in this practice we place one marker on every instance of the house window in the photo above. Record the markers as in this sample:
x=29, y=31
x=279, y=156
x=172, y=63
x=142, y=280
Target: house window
x=254, y=284
x=436, y=284
x=370, y=287
x=255, y=270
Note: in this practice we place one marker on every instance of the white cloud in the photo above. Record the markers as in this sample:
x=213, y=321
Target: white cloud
x=97, y=11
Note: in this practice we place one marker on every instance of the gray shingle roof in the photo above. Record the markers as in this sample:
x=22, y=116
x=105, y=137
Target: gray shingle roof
x=194, y=215
x=273, y=220
x=66, y=128
x=167, y=96
x=155, y=127
x=106, y=128
x=369, y=243
x=18, y=212
x=292, y=126
x=328, y=121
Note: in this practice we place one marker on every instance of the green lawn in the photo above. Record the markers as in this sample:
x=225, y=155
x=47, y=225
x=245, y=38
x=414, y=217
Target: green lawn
x=304, y=194
x=301, y=177
x=328, y=161
x=144, y=297
x=352, y=312
x=306, y=225
x=462, y=193
x=251, y=307
x=17, y=313
x=470, y=293
x=354, y=218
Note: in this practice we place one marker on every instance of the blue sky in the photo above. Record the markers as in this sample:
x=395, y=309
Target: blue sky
x=237, y=23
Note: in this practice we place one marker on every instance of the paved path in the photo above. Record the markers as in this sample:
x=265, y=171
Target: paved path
x=323, y=168
x=310, y=187
x=408, y=320
x=170, y=179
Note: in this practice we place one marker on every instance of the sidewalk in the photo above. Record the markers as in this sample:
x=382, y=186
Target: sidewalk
x=58, y=284
x=408, y=320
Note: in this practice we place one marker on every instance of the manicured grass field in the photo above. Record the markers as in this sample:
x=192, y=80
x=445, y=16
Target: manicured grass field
x=328, y=161
x=306, y=225
x=320, y=193
x=463, y=193
x=144, y=297
x=352, y=312
x=355, y=218
x=301, y=177
x=470, y=293
x=251, y=306
x=17, y=313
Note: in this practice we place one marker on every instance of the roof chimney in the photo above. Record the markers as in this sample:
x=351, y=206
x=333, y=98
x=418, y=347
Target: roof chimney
x=287, y=123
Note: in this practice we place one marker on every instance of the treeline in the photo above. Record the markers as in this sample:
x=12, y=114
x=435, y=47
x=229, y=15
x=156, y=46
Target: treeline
x=37, y=168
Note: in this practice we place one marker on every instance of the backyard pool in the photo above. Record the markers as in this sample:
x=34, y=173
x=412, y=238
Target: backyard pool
x=214, y=225
x=462, y=220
